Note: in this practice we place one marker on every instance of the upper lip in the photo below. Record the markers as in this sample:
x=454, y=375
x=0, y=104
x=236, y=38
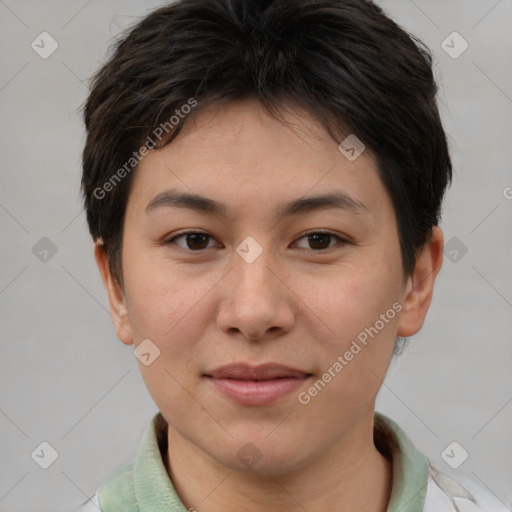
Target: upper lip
x=245, y=371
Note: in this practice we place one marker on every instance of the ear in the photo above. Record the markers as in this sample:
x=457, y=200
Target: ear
x=420, y=286
x=116, y=297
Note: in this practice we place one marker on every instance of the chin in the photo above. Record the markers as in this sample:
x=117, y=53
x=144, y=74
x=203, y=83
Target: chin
x=262, y=456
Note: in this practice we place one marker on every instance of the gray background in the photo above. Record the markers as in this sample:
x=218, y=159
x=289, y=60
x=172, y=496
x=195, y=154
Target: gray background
x=67, y=380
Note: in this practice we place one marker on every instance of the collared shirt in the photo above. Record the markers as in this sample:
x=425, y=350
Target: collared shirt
x=144, y=484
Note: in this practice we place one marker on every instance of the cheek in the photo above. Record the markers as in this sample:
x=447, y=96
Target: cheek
x=165, y=305
x=353, y=315
x=173, y=312
x=345, y=301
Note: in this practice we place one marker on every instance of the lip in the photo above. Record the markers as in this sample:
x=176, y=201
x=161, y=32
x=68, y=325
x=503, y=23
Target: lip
x=256, y=385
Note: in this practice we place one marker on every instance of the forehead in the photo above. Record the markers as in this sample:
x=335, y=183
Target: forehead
x=241, y=156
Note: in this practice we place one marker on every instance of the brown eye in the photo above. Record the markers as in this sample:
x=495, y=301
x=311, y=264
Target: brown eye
x=194, y=240
x=320, y=240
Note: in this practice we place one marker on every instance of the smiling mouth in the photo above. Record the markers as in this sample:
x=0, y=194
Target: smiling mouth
x=257, y=385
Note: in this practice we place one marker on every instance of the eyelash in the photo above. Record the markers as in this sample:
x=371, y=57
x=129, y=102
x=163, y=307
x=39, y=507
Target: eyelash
x=170, y=241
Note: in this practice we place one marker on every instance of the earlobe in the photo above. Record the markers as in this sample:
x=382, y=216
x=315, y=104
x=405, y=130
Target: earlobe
x=116, y=296
x=420, y=286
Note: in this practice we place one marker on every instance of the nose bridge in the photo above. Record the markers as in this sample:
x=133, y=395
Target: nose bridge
x=255, y=300
x=254, y=278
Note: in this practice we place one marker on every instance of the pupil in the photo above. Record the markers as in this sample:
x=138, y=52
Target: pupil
x=195, y=236
x=322, y=236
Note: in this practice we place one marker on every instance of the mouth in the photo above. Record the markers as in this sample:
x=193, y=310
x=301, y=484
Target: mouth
x=256, y=385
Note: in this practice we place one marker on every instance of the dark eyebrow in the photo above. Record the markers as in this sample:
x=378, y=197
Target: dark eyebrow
x=338, y=199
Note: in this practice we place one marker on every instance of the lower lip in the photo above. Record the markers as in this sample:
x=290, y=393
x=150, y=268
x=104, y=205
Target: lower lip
x=262, y=392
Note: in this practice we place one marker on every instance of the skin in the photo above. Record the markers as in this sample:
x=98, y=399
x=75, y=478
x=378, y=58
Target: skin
x=298, y=303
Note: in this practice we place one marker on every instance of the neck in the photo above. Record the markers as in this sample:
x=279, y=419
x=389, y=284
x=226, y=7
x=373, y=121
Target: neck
x=353, y=475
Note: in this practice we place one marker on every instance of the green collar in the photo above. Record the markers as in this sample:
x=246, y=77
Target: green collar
x=410, y=467
x=144, y=485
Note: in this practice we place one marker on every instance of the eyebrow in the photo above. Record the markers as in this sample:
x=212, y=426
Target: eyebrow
x=202, y=204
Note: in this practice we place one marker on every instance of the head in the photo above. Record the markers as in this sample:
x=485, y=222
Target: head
x=229, y=119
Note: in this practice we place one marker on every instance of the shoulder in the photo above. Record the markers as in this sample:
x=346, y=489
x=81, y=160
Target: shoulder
x=445, y=494
x=117, y=493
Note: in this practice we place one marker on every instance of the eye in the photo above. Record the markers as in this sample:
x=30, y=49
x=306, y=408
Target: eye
x=197, y=241
x=194, y=240
x=320, y=240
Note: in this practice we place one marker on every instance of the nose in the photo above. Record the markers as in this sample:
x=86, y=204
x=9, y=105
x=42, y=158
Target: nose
x=257, y=303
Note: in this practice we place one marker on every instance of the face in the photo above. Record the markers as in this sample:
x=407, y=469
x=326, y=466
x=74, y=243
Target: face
x=267, y=275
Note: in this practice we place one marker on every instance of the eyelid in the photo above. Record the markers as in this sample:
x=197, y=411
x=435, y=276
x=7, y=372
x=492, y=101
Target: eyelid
x=342, y=240
x=169, y=241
